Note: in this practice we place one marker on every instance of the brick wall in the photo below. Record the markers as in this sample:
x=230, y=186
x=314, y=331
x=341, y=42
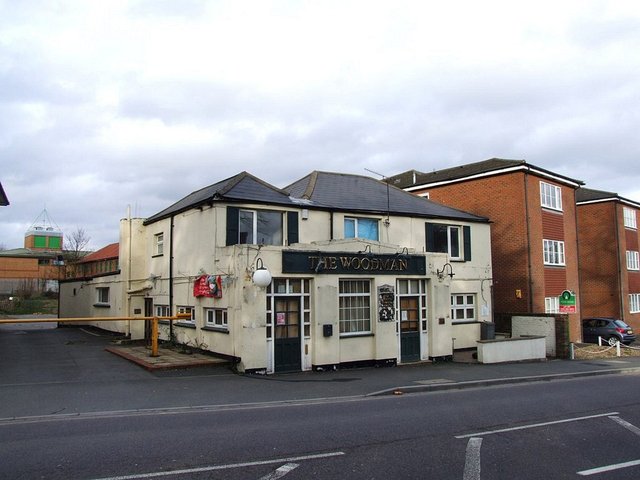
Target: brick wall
x=512, y=203
x=599, y=259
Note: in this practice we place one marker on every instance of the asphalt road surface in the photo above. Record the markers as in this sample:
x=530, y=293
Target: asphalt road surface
x=540, y=430
x=70, y=411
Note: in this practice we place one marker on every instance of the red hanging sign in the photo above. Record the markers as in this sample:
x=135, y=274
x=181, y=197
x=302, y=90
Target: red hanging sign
x=208, y=286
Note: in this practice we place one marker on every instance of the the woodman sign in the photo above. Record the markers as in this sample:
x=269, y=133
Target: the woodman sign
x=352, y=263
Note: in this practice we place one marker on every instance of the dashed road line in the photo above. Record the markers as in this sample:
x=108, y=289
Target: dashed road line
x=472, y=460
x=608, y=468
x=280, y=472
x=211, y=468
x=626, y=425
x=535, y=425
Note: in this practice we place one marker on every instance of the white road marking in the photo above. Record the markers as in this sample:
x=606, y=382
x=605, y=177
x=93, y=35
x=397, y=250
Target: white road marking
x=221, y=467
x=280, y=472
x=535, y=425
x=608, y=468
x=472, y=460
x=626, y=425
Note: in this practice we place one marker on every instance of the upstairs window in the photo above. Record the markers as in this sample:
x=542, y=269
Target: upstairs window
x=633, y=260
x=366, y=228
x=261, y=227
x=553, y=252
x=158, y=240
x=550, y=196
x=454, y=240
x=630, y=218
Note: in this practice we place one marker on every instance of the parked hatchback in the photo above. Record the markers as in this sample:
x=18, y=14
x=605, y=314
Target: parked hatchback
x=610, y=329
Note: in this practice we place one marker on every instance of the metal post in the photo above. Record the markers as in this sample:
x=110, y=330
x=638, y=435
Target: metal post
x=154, y=337
x=618, y=348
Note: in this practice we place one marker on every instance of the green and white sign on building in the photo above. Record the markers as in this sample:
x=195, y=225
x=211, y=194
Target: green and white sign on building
x=568, y=302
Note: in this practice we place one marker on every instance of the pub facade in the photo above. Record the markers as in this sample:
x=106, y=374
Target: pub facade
x=333, y=270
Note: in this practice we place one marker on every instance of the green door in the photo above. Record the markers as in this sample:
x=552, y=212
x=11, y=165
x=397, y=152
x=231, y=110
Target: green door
x=288, y=354
x=409, y=329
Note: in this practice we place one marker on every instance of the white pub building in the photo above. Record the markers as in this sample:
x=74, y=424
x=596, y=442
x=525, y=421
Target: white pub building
x=333, y=270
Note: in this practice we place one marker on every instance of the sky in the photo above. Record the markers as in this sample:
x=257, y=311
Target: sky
x=113, y=106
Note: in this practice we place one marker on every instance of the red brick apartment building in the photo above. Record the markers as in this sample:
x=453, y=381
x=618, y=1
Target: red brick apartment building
x=534, y=244
x=609, y=243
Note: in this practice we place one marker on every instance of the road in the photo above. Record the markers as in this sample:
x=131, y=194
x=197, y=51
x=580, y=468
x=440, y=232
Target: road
x=540, y=430
x=69, y=410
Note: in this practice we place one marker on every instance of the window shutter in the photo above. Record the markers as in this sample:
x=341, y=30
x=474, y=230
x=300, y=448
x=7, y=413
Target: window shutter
x=430, y=236
x=466, y=233
x=232, y=225
x=292, y=228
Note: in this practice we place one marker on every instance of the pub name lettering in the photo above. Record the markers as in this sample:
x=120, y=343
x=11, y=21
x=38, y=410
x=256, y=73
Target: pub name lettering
x=358, y=263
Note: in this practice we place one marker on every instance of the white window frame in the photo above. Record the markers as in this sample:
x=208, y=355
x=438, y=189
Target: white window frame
x=634, y=303
x=463, y=303
x=356, y=220
x=102, y=295
x=553, y=251
x=633, y=260
x=630, y=220
x=550, y=196
x=216, y=318
x=187, y=309
x=158, y=243
x=552, y=305
x=354, y=308
x=162, y=310
x=453, y=232
x=254, y=232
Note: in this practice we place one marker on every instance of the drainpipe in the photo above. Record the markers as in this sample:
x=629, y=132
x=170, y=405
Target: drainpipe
x=331, y=225
x=171, y=276
x=526, y=208
x=129, y=272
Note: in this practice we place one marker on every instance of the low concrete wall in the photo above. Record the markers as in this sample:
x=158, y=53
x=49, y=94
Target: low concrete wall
x=542, y=326
x=511, y=349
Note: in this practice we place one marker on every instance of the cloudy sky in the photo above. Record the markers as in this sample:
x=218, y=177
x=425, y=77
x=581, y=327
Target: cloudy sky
x=113, y=103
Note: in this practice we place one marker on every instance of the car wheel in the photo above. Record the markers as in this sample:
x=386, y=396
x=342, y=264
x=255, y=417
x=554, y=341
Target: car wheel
x=612, y=341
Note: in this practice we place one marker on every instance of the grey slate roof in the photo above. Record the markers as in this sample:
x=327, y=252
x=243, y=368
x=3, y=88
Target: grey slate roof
x=494, y=166
x=587, y=195
x=319, y=190
x=356, y=193
x=240, y=187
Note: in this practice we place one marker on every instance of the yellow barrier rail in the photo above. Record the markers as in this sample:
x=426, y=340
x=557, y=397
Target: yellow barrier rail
x=154, y=323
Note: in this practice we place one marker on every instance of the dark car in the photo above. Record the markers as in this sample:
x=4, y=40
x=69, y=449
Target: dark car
x=611, y=330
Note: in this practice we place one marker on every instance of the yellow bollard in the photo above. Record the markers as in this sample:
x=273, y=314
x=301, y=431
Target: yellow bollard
x=154, y=337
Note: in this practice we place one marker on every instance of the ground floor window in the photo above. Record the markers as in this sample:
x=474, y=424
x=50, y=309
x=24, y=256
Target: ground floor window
x=463, y=307
x=163, y=311
x=102, y=295
x=634, y=303
x=216, y=318
x=552, y=305
x=190, y=310
x=354, y=309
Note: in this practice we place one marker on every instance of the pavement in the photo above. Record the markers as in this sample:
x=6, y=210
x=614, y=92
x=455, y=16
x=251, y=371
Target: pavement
x=71, y=358
x=463, y=371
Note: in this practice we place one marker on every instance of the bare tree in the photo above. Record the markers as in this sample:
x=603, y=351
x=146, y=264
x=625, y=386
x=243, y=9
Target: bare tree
x=75, y=245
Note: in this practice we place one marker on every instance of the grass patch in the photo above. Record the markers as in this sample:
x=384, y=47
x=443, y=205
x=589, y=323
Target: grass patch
x=29, y=306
